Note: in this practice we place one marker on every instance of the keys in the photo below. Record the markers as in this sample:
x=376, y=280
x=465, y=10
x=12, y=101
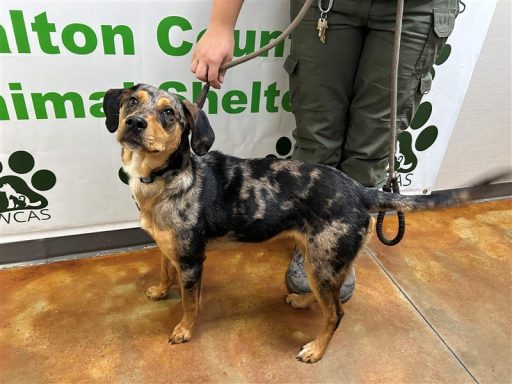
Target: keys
x=322, y=28
x=322, y=21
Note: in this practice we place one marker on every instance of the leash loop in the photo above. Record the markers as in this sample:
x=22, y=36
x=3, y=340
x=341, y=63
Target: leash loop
x=394, y=187
x=392, y=183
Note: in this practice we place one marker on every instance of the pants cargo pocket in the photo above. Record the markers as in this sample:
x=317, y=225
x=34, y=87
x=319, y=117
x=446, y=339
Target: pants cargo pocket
x=291, y=65
x=409, y=108
x=443, y=21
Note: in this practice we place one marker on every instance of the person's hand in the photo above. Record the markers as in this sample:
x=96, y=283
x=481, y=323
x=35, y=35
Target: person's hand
x=214, y=49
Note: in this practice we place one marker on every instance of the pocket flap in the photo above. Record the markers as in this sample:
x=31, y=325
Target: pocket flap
x=290, y=64
x=444, y=21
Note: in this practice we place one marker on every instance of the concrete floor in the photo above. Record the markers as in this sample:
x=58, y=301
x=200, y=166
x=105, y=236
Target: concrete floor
x=435, y=309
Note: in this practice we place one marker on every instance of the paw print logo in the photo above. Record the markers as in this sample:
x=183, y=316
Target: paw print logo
x=15, y=193
x=406, y=160
x=283, y=148
x=407, y=146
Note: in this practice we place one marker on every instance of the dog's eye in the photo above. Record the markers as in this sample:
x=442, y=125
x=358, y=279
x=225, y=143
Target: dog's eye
x=168, y=112
x=133, y=101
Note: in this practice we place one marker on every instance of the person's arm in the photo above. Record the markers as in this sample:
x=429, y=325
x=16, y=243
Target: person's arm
x=216, y=45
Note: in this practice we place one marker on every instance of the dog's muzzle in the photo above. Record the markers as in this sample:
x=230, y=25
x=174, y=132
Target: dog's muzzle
x=136, y=123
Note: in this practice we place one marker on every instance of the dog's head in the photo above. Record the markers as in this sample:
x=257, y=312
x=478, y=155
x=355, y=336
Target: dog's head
x=148, y=119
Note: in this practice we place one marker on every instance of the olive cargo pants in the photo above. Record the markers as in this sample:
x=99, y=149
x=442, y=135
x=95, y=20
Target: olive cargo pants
x=340, y=90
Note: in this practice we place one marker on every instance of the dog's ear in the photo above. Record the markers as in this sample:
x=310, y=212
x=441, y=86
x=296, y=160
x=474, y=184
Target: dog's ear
x=111, y=102
x=202, y=133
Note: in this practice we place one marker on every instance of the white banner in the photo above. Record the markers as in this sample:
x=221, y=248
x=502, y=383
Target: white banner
x=59, y=166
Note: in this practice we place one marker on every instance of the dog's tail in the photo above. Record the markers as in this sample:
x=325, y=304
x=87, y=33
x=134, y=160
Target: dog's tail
x=382, y=201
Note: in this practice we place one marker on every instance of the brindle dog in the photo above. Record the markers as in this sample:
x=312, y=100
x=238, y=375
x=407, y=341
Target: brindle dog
x=188, y=198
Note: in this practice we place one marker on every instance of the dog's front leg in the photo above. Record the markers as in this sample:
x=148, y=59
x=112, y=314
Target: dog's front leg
x=167, y=280
x=189, y=276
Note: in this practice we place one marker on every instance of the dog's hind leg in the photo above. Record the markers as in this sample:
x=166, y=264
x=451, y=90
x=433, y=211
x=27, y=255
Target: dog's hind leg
x=167, y=280
x=325, y=284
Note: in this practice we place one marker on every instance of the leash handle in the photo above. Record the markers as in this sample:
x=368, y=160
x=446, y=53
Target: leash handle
x=392, y=183
x=382, y=214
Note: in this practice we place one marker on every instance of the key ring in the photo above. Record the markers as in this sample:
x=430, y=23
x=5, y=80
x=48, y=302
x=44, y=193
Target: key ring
x=328, y=7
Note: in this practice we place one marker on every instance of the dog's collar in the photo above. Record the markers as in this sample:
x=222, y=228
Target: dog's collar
x=171, y=169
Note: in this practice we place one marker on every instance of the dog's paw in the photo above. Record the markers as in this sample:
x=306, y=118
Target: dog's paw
x=300, y=301
x=156, y=292
x=180, y=335
x=310, y=353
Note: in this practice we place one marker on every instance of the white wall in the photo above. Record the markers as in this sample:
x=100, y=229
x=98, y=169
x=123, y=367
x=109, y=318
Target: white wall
x=482, y=138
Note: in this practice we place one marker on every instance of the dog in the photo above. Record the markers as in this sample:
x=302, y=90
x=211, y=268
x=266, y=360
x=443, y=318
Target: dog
x=188, y=196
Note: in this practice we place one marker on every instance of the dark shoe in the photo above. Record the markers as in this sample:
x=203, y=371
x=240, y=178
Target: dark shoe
x=297, y=281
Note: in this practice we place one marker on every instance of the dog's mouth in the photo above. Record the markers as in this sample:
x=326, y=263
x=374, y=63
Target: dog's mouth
x=135, y=143
x=131, y=141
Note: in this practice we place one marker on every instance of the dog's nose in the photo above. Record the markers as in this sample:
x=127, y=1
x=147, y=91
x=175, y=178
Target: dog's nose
x=136, y=122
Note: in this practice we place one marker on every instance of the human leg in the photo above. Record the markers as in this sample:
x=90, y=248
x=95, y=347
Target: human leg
x=321, y=82
x=426, y=25
x=297, y=282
